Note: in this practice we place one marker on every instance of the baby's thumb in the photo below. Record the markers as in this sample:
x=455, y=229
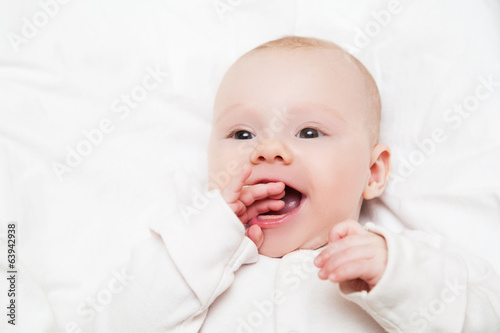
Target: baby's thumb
x=344, y=229
x=255, y=234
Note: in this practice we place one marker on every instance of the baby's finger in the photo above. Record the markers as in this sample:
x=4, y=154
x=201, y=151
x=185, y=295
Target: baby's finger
x=344, y=229
x=342, y=258
x=352, y=270
x=250, y=194
x=239, y=209
x=255, y=234
x=232, y=191
x=340, y=246
x=264, y=206
x=277, y=196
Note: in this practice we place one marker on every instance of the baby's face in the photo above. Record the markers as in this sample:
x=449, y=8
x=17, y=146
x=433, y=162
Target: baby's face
x=296, y=117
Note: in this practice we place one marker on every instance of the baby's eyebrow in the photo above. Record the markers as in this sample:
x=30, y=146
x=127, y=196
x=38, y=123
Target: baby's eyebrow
x=307, y=106
x=296, y=109
x=234, y=107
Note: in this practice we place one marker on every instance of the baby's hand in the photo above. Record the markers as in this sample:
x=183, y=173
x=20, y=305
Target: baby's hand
x=250, y=201
x=354, y=256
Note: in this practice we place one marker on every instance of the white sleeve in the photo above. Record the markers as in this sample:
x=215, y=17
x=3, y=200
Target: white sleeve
x=177, y=273
x=431, y=286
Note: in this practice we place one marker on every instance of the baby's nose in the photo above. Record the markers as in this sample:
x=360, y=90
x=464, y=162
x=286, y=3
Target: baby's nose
x=271, y=151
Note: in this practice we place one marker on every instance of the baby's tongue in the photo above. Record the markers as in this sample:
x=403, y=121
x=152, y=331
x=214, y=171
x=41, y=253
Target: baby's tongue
x=292, y=200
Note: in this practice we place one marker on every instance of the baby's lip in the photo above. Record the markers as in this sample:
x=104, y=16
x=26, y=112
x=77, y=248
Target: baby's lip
x=266, y=180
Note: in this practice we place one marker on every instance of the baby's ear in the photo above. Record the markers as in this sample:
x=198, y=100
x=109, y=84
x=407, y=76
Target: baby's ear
x=380, y=166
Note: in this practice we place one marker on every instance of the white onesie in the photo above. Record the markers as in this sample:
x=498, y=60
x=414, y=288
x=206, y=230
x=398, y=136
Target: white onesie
x=201, y=274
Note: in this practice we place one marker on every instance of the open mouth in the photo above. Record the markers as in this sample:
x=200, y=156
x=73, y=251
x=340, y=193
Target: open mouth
x=292, y=200
x=274, y=218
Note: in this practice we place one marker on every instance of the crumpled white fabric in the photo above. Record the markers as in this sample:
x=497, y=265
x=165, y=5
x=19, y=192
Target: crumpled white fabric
x=70, y=73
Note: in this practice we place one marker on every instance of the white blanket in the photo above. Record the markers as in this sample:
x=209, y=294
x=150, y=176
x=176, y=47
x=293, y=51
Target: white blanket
x=106, y=107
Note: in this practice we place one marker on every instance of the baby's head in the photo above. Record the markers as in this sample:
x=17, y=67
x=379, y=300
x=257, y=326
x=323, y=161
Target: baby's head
x=305, y=112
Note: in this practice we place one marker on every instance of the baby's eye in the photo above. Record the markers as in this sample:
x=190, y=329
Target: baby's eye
x=243, y=135
x=309, y=133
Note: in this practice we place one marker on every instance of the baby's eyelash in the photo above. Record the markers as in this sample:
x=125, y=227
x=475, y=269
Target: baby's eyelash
x=309, y=132
x=316, y=127
x=231, y=133
x=244, y=135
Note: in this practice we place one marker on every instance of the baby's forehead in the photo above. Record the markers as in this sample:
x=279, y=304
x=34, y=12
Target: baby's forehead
x=323, y=56
x=330, y=69
x=299, y=111
x=331, y=56
x=321, y=67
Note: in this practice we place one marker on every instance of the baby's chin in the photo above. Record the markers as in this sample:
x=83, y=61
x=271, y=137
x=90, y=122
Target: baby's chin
x=272, y=252
x=277, y=249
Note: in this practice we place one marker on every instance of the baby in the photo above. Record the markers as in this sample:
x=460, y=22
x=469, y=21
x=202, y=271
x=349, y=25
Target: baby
x=321, y=161
x=295, y=136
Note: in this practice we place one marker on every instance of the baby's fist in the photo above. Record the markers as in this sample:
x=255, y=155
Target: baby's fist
x=353, y=256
